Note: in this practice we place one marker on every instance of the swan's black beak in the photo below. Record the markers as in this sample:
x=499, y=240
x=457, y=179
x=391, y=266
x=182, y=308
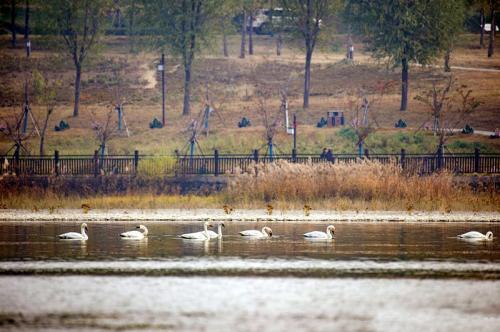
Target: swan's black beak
x=137, y=226
x=223, y=225
x=270, y=233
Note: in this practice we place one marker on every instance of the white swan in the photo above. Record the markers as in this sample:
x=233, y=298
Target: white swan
x=203, y=235
x=476, y=236
x=136, y=234
x=76, y=236
x=214, y=235
x=265, y=232
x=330, y=231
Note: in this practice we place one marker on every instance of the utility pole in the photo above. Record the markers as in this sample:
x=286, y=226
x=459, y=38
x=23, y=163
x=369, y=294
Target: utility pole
x=161, y=69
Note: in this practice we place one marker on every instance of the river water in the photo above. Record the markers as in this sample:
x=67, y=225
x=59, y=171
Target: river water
x=371, y=277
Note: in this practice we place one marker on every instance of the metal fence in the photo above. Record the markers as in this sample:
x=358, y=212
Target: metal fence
x=217, y=164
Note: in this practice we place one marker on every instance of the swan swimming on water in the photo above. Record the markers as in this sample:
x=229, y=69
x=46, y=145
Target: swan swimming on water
x=476, y=236
x=135, y=234
x=265, y=232
x=203, y=235
x=330, y=231
x=214, y=235
x=76, y=236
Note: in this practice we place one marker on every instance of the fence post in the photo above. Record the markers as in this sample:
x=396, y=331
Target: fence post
x=440, y=158
x=216, y=162
x=402, y=158
x=17, y=167
x=256, y=156
x=476, y=160
x=56, y=162
x=367, y=154
x=96, y=163
x=294, y=155
x=136, y=161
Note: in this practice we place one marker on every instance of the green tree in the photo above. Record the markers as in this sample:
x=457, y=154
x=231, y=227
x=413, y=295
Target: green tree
x=79, y=24
x=179, y=25
x=403, y=31
x=309, y=17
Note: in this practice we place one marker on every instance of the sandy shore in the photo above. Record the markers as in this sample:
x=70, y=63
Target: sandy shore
x=189, y=215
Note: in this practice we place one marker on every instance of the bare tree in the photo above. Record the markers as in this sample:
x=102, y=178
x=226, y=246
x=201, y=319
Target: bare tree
x=450, y=105
x=363, y=105
x=79, y=23
x=45, y=93
x=105, y=130
x=11, y=129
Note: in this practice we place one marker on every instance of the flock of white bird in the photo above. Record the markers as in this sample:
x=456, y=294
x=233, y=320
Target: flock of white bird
x=266, y=232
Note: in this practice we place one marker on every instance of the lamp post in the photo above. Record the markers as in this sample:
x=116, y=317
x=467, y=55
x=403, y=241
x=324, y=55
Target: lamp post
x=161, y=69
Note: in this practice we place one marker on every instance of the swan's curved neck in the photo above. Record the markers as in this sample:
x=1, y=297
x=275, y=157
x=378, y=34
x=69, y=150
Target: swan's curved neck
x=84, y=234
x=329, y=233
x=145, y=230
x=205, y=231
x=264, y=229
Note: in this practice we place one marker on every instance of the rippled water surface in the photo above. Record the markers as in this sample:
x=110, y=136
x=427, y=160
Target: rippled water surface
x=386, y=241
x=371, y=277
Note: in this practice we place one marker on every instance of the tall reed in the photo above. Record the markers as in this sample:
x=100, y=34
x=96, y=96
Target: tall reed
x=364, y=181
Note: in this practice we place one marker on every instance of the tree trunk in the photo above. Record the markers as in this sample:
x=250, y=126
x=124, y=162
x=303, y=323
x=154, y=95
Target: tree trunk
x=224, y=38
x=243, y=34
x=481, y=33
x=250, y=36
x=44, y=130
x=131, y=26
x=491, y=47
x=279, y=44
x=307, y=78
x=187, y=88
x=27, y=20
x=78, y=78
x=42, y=142
x=13, y=14
x=447, y=55
x=404, y=85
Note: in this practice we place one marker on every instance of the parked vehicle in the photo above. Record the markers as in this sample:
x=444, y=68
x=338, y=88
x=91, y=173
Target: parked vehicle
x=264, y=20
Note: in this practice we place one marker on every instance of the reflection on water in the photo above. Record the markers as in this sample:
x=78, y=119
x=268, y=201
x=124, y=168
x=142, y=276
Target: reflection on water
x=387, y=241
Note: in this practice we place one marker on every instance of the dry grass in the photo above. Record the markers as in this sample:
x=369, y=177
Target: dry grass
x=368, y=184
x=238, y=81
x=284, y=186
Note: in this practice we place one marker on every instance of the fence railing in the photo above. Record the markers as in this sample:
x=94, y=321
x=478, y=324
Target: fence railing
x=217, y=164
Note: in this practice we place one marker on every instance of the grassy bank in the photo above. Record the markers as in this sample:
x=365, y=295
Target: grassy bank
x=236, y=87
x=285, y=186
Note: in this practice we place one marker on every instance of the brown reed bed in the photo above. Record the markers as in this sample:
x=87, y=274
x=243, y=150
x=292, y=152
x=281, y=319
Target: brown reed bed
x=365, y=185
x=284, y=186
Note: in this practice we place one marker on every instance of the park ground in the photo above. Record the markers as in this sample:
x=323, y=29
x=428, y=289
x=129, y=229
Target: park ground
x=238, y=88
